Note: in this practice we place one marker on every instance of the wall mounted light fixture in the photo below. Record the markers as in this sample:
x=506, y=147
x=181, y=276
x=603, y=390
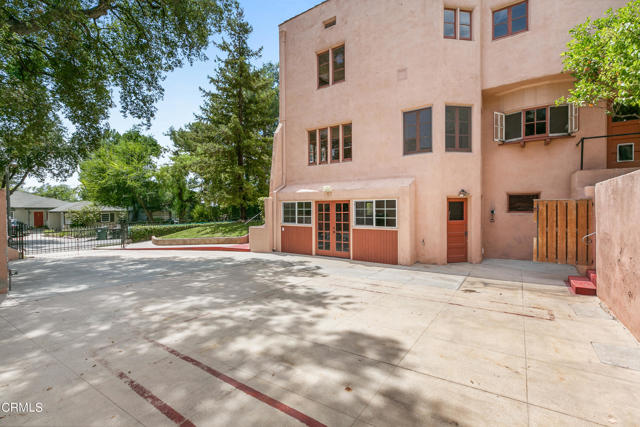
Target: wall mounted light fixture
x=463, y=193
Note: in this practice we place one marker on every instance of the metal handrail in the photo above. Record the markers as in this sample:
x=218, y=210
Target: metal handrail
x=581, y=143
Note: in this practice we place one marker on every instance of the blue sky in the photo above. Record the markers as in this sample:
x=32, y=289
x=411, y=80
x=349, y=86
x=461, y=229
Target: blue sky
x=182, y=97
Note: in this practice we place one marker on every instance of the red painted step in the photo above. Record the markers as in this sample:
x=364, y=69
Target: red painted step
x=593, y=277
x=581, y=285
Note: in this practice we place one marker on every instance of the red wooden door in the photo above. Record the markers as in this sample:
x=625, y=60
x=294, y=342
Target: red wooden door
x=333, y=229
x=457, y=230
x=38, y=219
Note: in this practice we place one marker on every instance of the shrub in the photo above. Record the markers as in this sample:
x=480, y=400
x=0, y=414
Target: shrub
x=140, y=233
x=85, y=216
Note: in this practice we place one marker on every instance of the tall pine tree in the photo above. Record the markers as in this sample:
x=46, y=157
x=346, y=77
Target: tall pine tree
x=230, y=143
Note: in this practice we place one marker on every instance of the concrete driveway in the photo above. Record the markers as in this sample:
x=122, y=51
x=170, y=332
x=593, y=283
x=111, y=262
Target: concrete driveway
x=164, y=338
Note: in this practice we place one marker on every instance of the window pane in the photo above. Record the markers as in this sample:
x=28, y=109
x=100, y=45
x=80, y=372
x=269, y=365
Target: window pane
x=500, y=30
x=289, y=213
x=450, y=141
x=541, y=114
x=323, y=145
x=364, y=213
x=518, y=25
x=465, y=32
x=529, y=129
x=449, y=30
x=559, y=119
x=519, y=10
x=410, y=132
x=625, y=152
x=338, y=64
x=500, y=17
x=335, y=143
x=456, y=211
x=346, y=142
x=425, y=129
x=513, y=126
x=465, y=17
x=464, y=141
x=379, y=204
x=541, y=128
x=391, y=204
x=529, y=116
x=312, y=147
x=522, y=202
x=449, y=16
x=323, y=69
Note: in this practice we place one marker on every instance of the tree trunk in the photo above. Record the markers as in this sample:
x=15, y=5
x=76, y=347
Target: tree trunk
x=146, y=210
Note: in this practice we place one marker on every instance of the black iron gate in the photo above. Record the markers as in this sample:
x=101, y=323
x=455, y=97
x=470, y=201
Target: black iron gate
x=29, y=241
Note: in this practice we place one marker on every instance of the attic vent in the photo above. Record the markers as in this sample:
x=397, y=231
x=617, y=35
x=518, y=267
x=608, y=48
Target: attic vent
x=330, y=22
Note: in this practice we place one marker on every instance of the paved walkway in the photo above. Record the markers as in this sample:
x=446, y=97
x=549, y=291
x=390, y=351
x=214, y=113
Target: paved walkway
x=222, y=338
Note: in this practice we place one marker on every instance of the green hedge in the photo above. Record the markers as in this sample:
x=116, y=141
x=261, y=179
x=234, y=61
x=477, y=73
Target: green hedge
x=140, y=233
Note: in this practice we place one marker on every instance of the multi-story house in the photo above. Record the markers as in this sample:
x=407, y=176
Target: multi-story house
x=423, y=130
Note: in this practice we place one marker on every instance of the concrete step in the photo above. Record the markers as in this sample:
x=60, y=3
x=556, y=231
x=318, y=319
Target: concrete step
x=581, y=285
x=593, y=277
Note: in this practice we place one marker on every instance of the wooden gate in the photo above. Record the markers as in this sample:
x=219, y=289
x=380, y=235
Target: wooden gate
x=562, y=227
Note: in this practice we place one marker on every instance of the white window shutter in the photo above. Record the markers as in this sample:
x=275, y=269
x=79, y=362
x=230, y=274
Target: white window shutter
x=498, y=127
x=573, y=118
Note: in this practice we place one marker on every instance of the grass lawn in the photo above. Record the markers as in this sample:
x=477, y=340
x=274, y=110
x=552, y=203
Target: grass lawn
x=221, y=229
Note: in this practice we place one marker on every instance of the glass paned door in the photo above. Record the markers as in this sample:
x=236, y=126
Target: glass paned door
x=333, y=234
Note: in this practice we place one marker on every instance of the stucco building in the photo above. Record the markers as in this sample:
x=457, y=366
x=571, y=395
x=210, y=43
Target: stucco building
x=422, y=130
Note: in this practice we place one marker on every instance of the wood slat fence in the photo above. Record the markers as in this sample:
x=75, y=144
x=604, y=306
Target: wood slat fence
x=561, y=226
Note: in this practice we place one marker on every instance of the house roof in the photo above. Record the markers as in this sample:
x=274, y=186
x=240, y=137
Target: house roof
x=24, y=200
x=75, y=206
x=302, y=13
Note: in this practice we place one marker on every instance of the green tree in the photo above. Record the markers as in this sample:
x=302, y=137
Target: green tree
x=178, y=186
x=85, y=216
x=122, y=172
x=604, y=57
x=60, y=192
x=230, y=143
x=61, y=61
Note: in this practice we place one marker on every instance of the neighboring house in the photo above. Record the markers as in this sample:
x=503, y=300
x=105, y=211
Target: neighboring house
x=34, y=210
x=422, y=131
x=37, y=211
x=109, y=215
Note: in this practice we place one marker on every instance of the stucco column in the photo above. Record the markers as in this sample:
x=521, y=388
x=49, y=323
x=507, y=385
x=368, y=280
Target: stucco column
x=4, y=252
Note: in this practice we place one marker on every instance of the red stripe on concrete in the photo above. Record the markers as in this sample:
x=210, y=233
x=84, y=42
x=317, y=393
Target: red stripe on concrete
x=147, y=395
x=305, y=419
x=201, y=248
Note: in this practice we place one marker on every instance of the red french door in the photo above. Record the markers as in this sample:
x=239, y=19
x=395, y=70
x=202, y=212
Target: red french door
x=38, y=219
x=333, y=229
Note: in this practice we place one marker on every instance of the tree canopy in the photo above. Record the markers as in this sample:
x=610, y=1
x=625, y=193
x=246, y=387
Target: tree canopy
x=60, y=192
x=122, y=172
x=604, y=57
x=62, y=62
x=229, y=145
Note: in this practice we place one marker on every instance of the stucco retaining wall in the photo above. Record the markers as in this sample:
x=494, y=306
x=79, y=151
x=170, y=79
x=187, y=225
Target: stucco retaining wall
x=200, y=241
x=618, y=248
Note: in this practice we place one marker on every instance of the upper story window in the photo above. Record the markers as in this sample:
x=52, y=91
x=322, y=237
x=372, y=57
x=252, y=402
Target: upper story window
x=329, y=22
x=417, y=131
x=457, y=24
x=457, y=128
x=330, y=144
x=511, y=20
x=536, y=123
x=331, y=66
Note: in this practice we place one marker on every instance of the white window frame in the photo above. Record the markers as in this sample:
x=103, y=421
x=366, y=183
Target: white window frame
x=573, y=118
x=374, y=226
x=102, y=214
x=504, y=135
x=498, y=127
x=633, y=154
x=296, y=223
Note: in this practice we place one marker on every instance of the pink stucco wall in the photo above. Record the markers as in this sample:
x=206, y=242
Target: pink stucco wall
x=397, y=60
x=4, y=255
x=618, y=247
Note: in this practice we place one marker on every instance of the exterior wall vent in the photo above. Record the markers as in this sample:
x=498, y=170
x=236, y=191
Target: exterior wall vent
x=329, y=22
